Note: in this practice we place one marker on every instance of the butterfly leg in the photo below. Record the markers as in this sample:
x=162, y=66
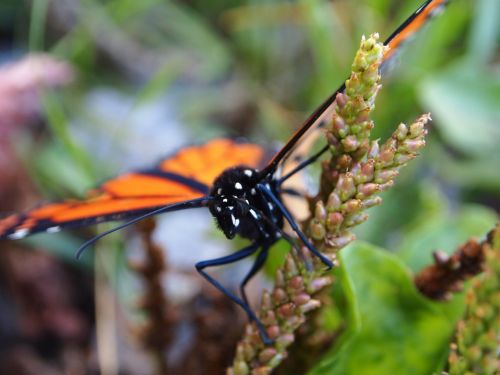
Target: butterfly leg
x=243, y=253
x=257, y=265
x=267, y=192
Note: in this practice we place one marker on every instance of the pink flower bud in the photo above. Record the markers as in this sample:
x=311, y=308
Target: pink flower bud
x=313, y=304
x=350, y=143
x=345, y=186
x=267, y=354
x=296, y=282
x=366, y=190
x=384, y=175
x=333, y=203
x=301, y=299
x=320, y=211
x=401, y=132
x=319, y=283
x=333, y=221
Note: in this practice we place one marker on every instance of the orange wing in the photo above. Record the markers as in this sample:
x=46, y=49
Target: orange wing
x=186, y=175
x=413, y=24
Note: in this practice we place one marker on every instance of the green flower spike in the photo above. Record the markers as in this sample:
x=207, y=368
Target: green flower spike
x=357, y=171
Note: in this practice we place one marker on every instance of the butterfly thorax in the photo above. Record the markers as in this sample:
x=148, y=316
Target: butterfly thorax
x=239, y=207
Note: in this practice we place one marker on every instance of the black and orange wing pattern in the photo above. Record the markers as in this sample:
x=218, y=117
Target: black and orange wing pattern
x=184, y=176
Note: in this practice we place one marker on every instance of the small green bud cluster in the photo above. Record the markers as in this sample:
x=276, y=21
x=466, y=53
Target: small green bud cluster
x=477, y=346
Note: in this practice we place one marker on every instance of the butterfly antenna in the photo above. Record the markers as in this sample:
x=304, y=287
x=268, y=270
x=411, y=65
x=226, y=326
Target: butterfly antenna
x=194, y=203
x=303, y=164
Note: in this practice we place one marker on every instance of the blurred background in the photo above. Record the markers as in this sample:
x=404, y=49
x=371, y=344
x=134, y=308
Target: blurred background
x=90, y=89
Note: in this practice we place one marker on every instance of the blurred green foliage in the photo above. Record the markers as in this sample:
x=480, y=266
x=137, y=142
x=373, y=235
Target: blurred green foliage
x=274, y=61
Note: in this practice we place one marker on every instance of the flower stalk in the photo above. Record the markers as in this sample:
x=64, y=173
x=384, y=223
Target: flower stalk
x=357, y=171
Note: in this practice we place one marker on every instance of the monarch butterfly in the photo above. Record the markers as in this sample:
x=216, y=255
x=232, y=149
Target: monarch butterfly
x=233, y=180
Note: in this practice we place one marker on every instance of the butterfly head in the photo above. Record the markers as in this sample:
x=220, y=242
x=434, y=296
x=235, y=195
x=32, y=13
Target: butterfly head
x=233, y=196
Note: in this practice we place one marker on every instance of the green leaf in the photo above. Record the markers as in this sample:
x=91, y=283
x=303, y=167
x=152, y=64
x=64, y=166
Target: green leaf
x=62, y=245
x=470, y=173
x=55, y=172
x=444, y=232
x=483, y=40
x=464, y=102
x=58, y=123
x=392, y=328
x=37, y=24
x=159, y=82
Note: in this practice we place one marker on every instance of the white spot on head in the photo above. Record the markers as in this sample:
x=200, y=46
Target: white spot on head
x=238, y=186
x=254, y=214
x=54, y=229
x=224, y=200
x=248, y=172
x=278, y=234
x=236, y=221
x=219, y=191
x=270, y=205
x=231, y=208
x=18, y=234
x=253, y=191
x=218, y=209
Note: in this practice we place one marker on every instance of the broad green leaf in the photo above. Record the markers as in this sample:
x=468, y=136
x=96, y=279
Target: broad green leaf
x=55, y=173
x=485, y=32
x=392, y=328
x=464, y=103
x=444, y=232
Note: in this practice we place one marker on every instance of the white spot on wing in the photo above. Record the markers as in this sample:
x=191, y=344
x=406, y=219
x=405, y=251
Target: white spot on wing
x=54, y=229
x=248, y=172
x=219, y=191
x=238, y=186
x=18, y=234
